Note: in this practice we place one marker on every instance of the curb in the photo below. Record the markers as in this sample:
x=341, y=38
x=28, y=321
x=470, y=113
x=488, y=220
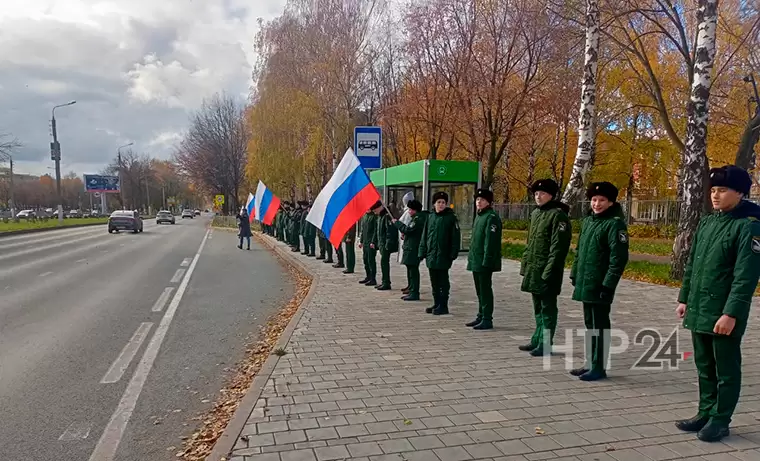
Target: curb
x=226, y=442
x=47, y=229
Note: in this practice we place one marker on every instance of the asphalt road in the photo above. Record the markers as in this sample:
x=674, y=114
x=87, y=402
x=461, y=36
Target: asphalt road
x=111, y=344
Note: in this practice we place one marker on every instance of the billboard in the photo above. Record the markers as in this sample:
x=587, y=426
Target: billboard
x=101, y=183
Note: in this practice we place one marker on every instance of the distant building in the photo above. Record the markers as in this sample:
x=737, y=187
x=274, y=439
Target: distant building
x=5, y=172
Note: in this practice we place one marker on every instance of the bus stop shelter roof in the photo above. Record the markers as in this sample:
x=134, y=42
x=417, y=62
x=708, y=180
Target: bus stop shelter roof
x=450, y=172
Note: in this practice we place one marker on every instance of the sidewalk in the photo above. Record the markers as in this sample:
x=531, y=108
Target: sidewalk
x=369, y=377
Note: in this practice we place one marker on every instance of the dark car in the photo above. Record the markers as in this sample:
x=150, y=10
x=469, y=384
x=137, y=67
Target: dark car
x=164, y=216
x=125, y=220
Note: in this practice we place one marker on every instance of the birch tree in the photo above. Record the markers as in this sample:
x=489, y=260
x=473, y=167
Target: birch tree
x=587, y=118
x=695, y=154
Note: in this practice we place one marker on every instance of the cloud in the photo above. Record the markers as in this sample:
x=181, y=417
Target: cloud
x=136, y=68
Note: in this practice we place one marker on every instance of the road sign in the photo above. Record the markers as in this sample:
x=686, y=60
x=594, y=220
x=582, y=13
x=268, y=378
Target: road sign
x=368, y=146
x=219, y=200
x=55, y=151
x=100, y=183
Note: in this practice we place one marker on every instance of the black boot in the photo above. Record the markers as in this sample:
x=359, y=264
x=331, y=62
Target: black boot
x=540, y=352
x=348, y=271
x=484, y=325
x=443, y=308
x=320, y=257
x=371, y=283
x=338, y=266
x=477, y=320
x=383, y=287
x=411, y=297
x=694, y=424
x=328, y=261
x=240, y=246
x=713, y=432
x=364, y=280
x=528, y=347
x=432, y=308
x=593, y=375
x=578, y=371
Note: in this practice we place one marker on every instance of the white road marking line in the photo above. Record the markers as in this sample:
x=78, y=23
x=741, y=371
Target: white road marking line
x=76, y=431
x=106, y=448
x=45, y=274
x=161, y=301
x=177, y=276
x=185, y=262
x=122, y=362
x=81, y=260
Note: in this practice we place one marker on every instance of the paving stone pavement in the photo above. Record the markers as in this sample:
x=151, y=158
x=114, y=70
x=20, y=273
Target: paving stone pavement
x=372, y=378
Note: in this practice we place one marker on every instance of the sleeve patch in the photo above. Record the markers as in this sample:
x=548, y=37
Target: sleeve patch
x=493, y=227
x=756, y=244
x=623, y=236
x=562, y=226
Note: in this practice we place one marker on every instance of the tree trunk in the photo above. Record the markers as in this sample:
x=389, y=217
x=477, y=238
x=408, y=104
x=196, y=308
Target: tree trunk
x=564, y=154
x=574, y=190
x=555, y=155
x=745, y=156
x=696, y=138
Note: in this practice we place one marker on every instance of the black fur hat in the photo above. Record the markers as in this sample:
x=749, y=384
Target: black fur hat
x=733, y=177
x=485, y=194
x=414, y=205
x=605, y=189
x=545, y=185
x=441, y=195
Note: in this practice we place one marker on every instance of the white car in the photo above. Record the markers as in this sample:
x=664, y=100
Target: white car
x=188, y=214
x=25, y=214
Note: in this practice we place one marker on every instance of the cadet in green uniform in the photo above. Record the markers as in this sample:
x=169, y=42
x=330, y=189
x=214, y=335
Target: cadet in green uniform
x=325, y=248
x=720, y=279
x=439, y=246
x=339, y=256
x=367, y=231
x=310, y=234
x=296, y=228
x=543, y=262
x=484, y=257
x=386, y=242
x=411, y=258
x=348, y=240
x=600, y=260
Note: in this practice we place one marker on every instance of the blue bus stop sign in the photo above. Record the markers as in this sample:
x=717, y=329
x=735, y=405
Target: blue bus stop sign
x=368, y=146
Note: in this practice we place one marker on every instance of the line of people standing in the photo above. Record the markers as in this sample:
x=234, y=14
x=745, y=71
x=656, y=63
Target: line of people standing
x=721, y=276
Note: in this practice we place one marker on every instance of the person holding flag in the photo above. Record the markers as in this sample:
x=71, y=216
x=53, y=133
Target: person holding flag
x=367, y=234
x=343, y=200
x=412, y=231
x=386, y=242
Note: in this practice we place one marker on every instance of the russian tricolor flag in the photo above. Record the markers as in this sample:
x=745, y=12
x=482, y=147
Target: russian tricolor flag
x=250, y=206
x=343, y=201
x=267, y=204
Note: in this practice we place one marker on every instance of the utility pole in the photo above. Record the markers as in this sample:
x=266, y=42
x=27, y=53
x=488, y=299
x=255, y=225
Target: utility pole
x=12, y=198
x=147, y=192
x=121, y=181
x=55, y=153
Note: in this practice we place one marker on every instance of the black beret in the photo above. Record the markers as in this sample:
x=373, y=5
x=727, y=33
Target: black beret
x=605, y=189
x=414, y=205
x=377, y=205
x=733, y=177
x=485, y=194
x=441, y=195
x=545, y=185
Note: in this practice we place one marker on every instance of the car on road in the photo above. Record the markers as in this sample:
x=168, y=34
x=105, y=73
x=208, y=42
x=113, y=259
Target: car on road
x=197, y=212
x=188, y=214
x=125, y=220
x=75, y=214
x=164, y=216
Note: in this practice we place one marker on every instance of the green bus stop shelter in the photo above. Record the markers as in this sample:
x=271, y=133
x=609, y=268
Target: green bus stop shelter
x=459, y=179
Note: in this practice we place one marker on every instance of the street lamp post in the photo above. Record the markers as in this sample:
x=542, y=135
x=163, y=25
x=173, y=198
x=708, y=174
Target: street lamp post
x=118, y=159
x=12, y=198
x=55, y=153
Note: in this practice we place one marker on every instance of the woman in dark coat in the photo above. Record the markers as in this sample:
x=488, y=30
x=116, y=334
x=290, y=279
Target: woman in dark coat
x=244, y=228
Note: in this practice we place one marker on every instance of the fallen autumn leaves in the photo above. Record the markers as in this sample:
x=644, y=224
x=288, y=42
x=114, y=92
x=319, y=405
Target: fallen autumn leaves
x=200, y=444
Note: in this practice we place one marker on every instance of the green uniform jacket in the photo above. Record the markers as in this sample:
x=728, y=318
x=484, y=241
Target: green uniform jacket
x=310, y=230
x=485, y=246
x=412, y=235
x=441, y=240
x=723, y=269
x=367, y=228
x=386, y=238
x=303, y=223
x=543, y=262
x=601, y=256
x=350, y=236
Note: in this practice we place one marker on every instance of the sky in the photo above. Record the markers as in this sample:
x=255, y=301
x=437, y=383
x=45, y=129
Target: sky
x=136, y=69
